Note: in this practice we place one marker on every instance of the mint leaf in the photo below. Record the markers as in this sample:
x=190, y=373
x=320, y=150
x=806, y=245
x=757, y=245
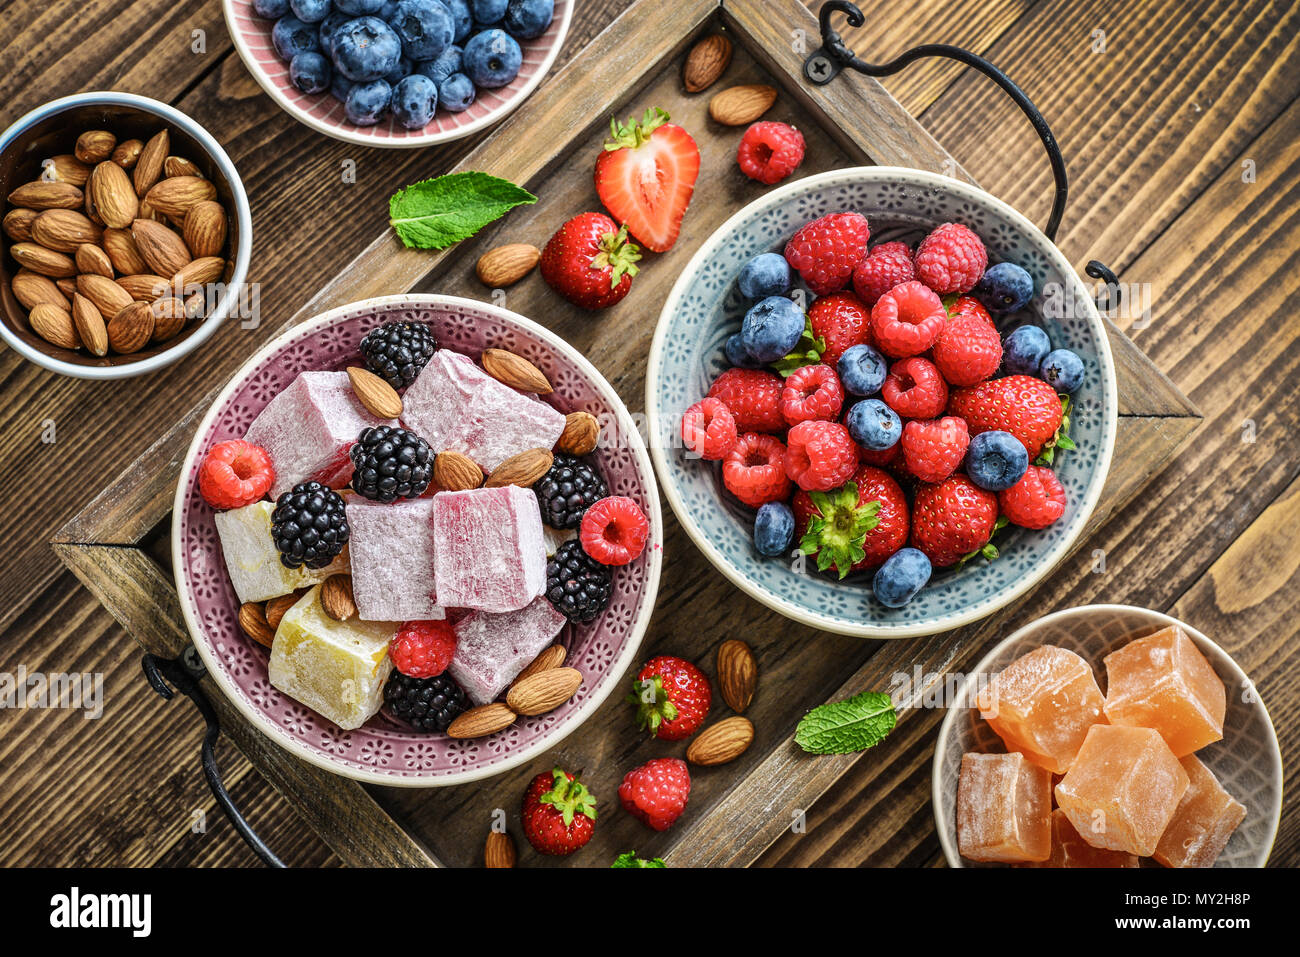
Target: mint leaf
x=842, y=727
x=440, y=212
x=629, y=859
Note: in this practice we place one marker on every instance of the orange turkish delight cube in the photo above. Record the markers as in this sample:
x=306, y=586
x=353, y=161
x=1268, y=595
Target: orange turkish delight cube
x=1123, y=789
x=1071, y=850
x=1003, y=809
x=1163, y=681
x=1203, y=822
x=1042, y=705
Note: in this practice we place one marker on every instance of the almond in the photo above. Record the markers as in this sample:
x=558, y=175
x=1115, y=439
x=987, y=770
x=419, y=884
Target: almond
x=544, y=691
x=580, y=435
x=741, y=105
x=195, y=306
x=121, y=249
x=108, y=296
x=454, y=472
x=144, y=286
x=63, y=230
x=523, y=469
x=737, y=674
x=95, y=146
x=506, y=265
x=127, y=154
x=205, y=228
x=252, y=619
x=18, y=224
x=174, y=196
x=65, y=168
x=67, y=285
x=379, y=398
x=180, y=166
x=90, y=325
x=44, y=261
x=32, y=289
x=276, y=607
x=40, y=195
x=200, y=272
x=483, y=720
x=54, y=325
x=336, y=597
x=515, y=371
x=148, y=212
x=131, y=329
x=149, y=167
x=721, y=742
x=161, y=248
x=706, y=62
x=551, y=657
x=92, y=259
x=111, y=195
x=499, y=850
x=168, y=318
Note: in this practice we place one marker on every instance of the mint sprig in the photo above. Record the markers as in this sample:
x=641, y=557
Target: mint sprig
x=630, y=859
x=442, y=211
x=843, y=727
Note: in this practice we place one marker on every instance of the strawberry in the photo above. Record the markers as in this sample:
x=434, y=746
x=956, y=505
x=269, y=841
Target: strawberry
x=969, y=349
x=855, y=527
x=672, y=697
x=1026, y=407
x=559, y=813
x=646, y=175
x=953, y=519
x=589, y=261
x=656, y=793
x=840, y=320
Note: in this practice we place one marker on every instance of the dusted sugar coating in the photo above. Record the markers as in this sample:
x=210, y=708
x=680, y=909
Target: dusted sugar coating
x=393, y=560
x=1203, y=824
x=253, y=560
x=336, y=668
x=308, y=429
x=457, y=406
x=1004, y=803
x=492, y=649
x=1071, y=850
x=1123, y=788
x=491, y=548
x=1042, y=705
x=1164, y=682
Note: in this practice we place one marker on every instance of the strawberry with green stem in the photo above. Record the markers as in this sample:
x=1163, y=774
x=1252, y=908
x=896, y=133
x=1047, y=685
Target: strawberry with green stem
x=854, y=527
x=672, y=696
x=646, y=176
x=559, y=813
x=589, y=261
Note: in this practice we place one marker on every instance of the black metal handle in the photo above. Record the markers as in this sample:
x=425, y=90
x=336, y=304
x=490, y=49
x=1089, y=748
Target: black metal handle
x=184, y=672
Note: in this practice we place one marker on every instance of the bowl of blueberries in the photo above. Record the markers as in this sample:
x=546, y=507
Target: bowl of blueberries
x=398, y=73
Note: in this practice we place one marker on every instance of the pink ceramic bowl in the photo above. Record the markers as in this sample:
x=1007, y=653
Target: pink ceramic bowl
x=323, y=113
x=384, y=751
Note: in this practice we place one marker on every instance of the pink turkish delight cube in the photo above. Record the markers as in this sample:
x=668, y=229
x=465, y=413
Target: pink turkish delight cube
x=393, y=557
x=492, y=649
x=308, y=429
x=491, y=548
x=458, y=407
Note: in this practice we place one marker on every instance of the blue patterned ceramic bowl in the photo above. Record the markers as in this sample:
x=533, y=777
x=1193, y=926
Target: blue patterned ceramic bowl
x=705, y=308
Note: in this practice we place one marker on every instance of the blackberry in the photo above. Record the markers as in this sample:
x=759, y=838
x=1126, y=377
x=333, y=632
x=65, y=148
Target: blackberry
x=389, y=463
x=309, y=525
x=577, y=585
x=568, y=490
x=426, y=704
x=397, y=351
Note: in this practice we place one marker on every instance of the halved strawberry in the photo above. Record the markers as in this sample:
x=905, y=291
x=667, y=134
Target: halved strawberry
x=646, y=177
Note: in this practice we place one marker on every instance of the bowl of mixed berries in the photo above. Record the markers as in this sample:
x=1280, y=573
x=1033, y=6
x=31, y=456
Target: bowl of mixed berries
x=881, y=402
x=417, y=540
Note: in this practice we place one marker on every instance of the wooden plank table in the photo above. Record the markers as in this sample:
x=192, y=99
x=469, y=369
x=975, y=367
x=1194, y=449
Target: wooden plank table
x=1175, y=213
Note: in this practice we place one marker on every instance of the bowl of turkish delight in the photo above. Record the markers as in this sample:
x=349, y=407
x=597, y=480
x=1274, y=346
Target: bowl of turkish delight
x=417, y=540
x=1170, y=761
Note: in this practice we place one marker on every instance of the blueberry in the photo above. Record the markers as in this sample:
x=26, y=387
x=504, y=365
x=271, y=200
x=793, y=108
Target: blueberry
x=359, y=8
x=328, y=27
x=310, y=72
x=1004, y=287
x=367, y=102
x=903, y=575
x=462, y=21
x=414, y=100
x=1062, y=370
x=456, y=93
x=400, y=72
x=271, y=9
x=528, y=19
x=310, y=11
x=763, y=276
x=1024, y=350
x=773, y=529
x=738, y=355
x=874, y=425
x=771, y=328
x=488, y=11
x=492, y=59
x=340, y=87
x=424, y=26
x=387, y=10
x=290, y=36
x=862, y=370
x=366, y=49
x=996, y=460
x=449, y=61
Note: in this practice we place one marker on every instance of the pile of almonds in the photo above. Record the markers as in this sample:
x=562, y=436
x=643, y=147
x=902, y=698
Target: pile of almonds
x=112, y=241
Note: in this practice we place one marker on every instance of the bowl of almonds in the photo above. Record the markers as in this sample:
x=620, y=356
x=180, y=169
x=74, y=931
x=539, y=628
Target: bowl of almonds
x=127, y=235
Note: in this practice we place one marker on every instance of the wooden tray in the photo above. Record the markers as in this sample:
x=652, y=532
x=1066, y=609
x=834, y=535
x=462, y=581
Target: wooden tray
x=738, y=810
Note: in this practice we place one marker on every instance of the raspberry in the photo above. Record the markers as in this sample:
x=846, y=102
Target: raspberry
x=754, y=471
x=821, y=456
x=812, y=392
x=951, y=259
x=235, y=474
x=886, y=266
x=423, y=649
x=753, y=396
x=969, y=349
x=842, y=321
x=826, y=250
x=656, y=793
x=1036, y=501
x=708, y=429
x=769, y=152
x=934, y=449
x=907, y=320
x=614, y=530
x=915, y=389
